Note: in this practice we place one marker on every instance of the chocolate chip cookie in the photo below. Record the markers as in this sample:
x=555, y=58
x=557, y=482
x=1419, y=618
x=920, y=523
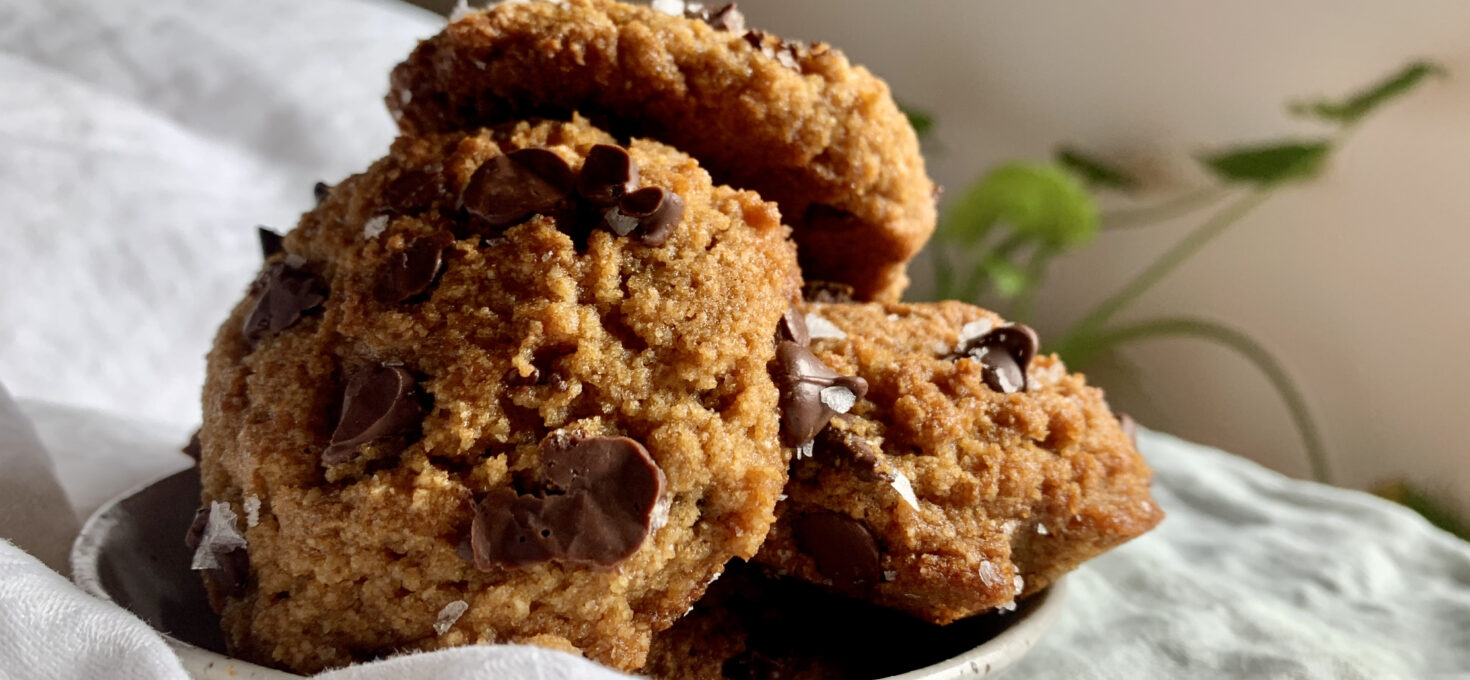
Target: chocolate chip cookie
x=797, y=123
x=971, y=472
x=509, y=385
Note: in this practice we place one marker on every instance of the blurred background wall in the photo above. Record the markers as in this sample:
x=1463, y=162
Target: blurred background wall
x=1359, y=281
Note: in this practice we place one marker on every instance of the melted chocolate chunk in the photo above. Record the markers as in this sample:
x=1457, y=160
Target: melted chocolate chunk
x=827, y=291
x=1005, y=353
x=194, y=449
x=803, y=379
x=413, y=270
x=510, y=188
x=380, y=402
x=601, y=498
x=843, y=548
x=270, y=242
x=284, y=293
x=608, y=174
x=321, y=191
x=842, y=448
x=414, y=191
x=653, y=212
x=792, y=326
x=727, y=18
x=234, y=564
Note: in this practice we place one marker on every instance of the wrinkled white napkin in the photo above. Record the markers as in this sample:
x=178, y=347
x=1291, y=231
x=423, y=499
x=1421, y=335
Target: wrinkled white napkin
x=143, y=138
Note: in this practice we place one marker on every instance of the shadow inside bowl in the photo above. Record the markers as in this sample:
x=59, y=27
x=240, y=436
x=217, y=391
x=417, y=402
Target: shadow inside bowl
x=143, y=564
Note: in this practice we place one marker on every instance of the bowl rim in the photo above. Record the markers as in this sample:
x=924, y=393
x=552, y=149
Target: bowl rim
x=991, y=656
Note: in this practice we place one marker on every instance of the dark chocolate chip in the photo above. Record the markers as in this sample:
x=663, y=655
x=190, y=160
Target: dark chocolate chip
x=842, y=448
x=784, y=52
x=284, y=293
x=508, y=189
x=194, y=449
x=608, y=174
x=600, y=501
x=195, y=536
x=827, y=291
x=792, y=326
x=321, y=191
x=1005, y=353
x=414, y=191
x=1130, y=428
x=380, y=402
x=234, y=570
x=843, y=548
x=802, y=378
x=270, y=242
x=651, y=211
x=413, y=270
x=727, y=18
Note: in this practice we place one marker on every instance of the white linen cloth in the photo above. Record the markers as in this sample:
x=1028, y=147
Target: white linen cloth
x=140, y=141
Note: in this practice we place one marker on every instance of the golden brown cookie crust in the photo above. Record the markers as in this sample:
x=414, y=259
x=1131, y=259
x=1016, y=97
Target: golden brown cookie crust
x=522, y=336
x=803, y=127
x=1013, y=490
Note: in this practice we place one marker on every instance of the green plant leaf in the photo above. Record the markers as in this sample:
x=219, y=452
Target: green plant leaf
x=1042, y=202
x=1269, y=165
x=1095, y=171
x=1360, y=104
x=1422, y=502
x=1005, y=278
x=921, y=120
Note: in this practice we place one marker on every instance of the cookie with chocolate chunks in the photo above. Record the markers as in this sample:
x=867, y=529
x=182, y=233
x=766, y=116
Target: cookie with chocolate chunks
x=797, y=123
x=495, y=364
x=982, y=470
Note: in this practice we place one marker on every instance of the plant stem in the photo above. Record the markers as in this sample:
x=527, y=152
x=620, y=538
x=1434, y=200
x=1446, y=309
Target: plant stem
x=1178, y=206
x=1252, y=351
x=1025, y=305
x=1071, y=343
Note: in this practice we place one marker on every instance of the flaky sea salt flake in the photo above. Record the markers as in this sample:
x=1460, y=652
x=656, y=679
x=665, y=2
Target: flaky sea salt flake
x=818, y=328
x=252, y=511
x=221, y=536
x=973, y=330
x=805, y=450
x=673, y=7
x=1020, y=583
x=375, y=226
x=838, y=398
x=1041, y=529
x=990, y=574
x=905, y=489
x=448, y=615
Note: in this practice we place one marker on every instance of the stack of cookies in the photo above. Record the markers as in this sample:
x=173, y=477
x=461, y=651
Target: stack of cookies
x=619, y=312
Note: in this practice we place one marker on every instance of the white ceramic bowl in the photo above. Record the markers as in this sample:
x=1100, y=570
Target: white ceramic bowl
x=131, y=552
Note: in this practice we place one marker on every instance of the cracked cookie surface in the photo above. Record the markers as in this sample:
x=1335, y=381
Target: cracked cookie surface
x=456, y=323
x=956, y=484
x=799, y=124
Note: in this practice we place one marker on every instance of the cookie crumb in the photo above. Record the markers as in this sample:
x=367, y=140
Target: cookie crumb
x=448, y=615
